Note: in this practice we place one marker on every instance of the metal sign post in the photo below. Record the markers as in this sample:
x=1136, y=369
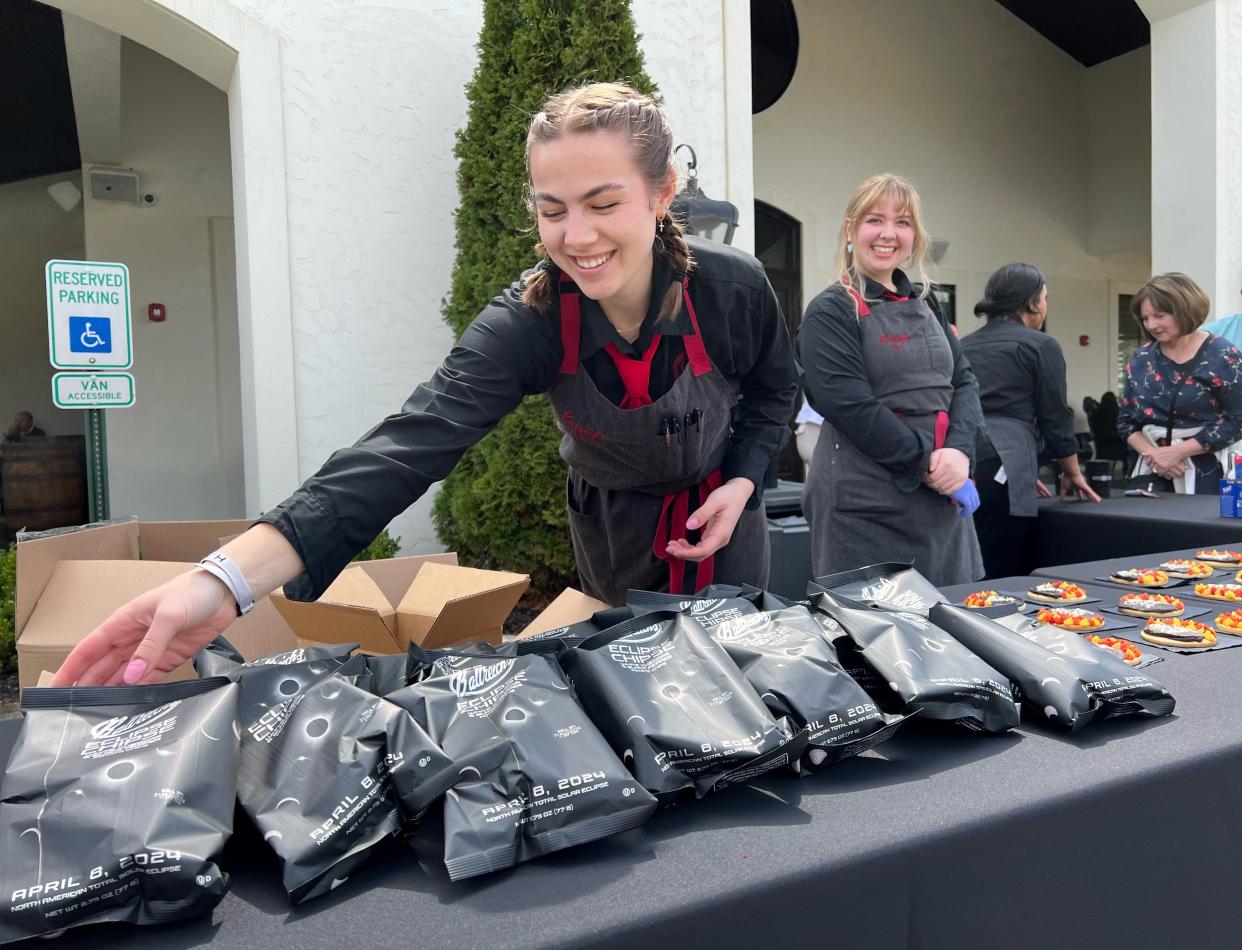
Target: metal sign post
x=96, y=466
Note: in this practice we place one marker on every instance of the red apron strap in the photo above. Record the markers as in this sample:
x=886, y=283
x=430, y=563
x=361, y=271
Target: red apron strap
x=571, y=326
x=635, y=374
x=863, y=309
x=696, y=352
x=672, y=524
x=942, y=429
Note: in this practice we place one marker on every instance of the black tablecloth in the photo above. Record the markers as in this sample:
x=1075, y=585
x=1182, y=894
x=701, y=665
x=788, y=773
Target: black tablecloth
x=1123, y=833
x=1117, y=527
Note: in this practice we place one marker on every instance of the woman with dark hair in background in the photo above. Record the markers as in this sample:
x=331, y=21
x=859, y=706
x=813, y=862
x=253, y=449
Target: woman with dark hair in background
x=1182, y=407
x=1021, y=373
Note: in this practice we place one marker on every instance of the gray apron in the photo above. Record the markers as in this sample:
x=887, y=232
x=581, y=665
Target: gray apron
x=632, y=482
x=1015, y=443
x=857, y=513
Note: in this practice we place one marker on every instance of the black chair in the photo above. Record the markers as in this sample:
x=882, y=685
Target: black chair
x=1102, y=420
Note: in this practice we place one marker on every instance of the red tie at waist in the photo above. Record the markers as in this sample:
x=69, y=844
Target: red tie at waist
x=940, y=431
x=672, y=524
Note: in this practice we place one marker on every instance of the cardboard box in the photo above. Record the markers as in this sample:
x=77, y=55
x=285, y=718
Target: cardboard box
x=570, y=606
x=68, y=582
x=387, y=605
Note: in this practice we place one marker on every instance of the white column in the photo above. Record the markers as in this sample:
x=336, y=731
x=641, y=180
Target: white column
x=1196, y=141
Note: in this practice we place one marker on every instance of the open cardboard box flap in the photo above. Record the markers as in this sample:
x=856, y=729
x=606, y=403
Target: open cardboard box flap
x=359, y=605
x=437, y=603
x=449, y=604
x=570, y=606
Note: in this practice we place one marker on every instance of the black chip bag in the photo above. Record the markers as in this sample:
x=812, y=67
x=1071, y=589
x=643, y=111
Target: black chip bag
x=329, y=772
x=676, y=708
x=599, y=621
x=536, y=776
x=893, y=585
x=1070, y=681
x=221, y=658
x=115, y=805
x=930, y=670
x=708, y=611
x=794, y=668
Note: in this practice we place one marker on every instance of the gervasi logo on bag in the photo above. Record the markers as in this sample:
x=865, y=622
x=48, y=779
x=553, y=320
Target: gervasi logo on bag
x=474, y=680
x=129, y=733
x=887, y=593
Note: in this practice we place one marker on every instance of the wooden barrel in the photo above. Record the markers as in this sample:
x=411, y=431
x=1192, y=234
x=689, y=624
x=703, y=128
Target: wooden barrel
x=43, y=483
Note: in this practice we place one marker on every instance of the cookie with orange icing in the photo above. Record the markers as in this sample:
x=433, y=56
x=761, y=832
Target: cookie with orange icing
x=1230, y=592
x=1057, y=592
x=1150, y=605
x=1140, y=577
x=1124, y=649
x=1074, y=618
x=990, y=598
x=1186, y=634
x=1230, y=622
x=1213, y=557
x=1186, y=569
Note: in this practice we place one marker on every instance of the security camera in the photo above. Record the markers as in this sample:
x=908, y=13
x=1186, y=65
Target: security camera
x=149, y=199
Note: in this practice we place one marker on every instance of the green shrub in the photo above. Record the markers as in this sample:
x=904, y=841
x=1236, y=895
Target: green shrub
x=383, y=547
x=504, y=504
x=8, y=594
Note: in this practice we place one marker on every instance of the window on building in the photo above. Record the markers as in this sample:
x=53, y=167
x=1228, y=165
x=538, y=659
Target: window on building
x=1129, y=337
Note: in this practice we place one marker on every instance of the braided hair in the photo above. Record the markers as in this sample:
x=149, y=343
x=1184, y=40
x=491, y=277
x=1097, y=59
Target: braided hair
x=612, y=107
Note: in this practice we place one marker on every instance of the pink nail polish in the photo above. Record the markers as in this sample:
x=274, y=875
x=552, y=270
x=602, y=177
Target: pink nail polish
x=135, y=671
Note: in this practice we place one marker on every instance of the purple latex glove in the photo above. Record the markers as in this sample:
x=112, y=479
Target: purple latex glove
x=967, y=498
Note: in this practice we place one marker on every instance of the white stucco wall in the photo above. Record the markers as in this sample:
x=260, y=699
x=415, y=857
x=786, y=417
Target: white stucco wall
x=1197, y=143
x=33, y=230
x=993, y=124
x=172, y=455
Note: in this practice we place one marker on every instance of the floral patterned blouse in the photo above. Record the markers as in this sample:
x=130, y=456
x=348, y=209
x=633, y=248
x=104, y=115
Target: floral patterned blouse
x=1209, y=392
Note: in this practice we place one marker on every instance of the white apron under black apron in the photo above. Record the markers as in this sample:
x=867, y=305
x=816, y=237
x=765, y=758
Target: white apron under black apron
x=857, y=513
x=638, y=470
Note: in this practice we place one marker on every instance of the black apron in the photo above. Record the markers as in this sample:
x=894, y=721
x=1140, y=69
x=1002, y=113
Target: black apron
x=857, y=513
x=638, y=470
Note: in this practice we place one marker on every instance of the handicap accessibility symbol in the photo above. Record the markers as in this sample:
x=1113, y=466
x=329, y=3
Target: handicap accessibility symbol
x=90, y=335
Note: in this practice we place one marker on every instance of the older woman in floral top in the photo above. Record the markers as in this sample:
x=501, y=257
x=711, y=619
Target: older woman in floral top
x=1183, y=396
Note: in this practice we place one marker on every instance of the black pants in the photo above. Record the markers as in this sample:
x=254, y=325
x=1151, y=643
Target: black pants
x=1007, y=542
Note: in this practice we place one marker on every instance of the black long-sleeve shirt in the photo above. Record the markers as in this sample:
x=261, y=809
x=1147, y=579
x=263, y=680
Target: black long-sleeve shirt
x=829, y=351
x=510, y=352
x=1021, y=375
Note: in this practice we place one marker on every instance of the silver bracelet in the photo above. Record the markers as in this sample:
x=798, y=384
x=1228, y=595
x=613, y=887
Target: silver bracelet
x=221, y=566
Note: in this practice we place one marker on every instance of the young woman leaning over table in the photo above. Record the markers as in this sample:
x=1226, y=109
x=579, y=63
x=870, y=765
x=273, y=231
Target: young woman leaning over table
x=890, y=479
x=1182, y=406
x=626, y=325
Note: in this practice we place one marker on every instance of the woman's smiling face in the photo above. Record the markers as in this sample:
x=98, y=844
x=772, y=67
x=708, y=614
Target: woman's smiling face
x=883, y=239
x=597, y=216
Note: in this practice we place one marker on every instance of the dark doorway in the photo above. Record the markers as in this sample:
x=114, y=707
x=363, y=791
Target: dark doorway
x=778, y=245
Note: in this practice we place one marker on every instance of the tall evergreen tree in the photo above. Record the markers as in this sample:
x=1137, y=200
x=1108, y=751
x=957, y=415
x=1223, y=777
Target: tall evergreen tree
x=504, y=504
